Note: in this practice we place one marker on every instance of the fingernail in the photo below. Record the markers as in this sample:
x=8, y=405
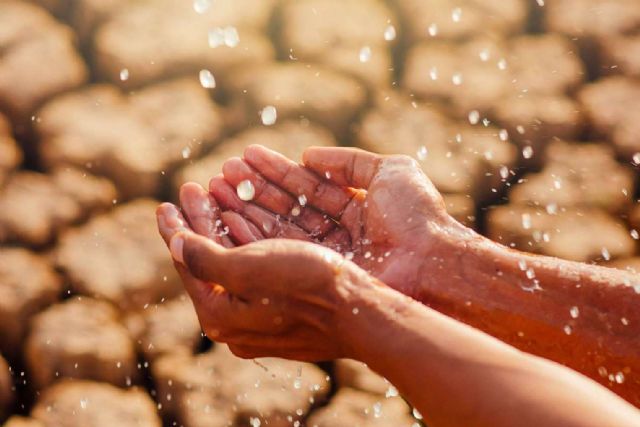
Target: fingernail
x=176, y=246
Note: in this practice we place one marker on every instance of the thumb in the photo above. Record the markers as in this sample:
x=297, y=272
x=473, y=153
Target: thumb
x=205, y=259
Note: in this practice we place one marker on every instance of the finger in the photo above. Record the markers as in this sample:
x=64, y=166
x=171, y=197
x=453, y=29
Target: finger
x=298, y=180
x=267, y=195
x=350, y=167
x=170, y=221
x=210, y=301
x=275, y=199
x=203, y=213
x=205, y=259
x=269, y=224
x=241, y=230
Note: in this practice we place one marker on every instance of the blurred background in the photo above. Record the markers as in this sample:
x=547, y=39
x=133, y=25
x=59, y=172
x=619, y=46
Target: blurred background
x=524, y=113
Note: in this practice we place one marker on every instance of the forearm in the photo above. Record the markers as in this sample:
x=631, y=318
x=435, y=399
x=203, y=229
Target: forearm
x=582, y=316
x=455, y=375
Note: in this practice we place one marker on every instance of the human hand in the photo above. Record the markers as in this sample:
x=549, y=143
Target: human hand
x=380, y=211
x=276, y=298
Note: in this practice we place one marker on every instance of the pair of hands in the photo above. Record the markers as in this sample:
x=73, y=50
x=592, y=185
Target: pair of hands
x=278, y=275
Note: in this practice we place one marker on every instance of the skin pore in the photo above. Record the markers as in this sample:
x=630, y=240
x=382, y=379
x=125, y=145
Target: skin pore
x=386, y=219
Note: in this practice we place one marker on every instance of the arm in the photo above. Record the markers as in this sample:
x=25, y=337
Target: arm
x=283, y=298
x=397, y=229
x=579, y=315
x=456, y=375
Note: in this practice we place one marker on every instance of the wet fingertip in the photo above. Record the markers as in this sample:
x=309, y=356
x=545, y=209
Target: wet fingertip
x=252, y=151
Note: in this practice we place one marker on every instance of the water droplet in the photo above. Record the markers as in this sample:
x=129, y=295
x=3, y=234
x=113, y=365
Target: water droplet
x=474, y=117
x=416, y=414
x=355, y=310
x=527, y=152
x=456, y=14
x=567, y=329
x=484, y=55
x=201, y=6
x=124, y=74
x=526, y=221
x=207, y=80
x=433, y=30
x=227, y=36
x=245, y=190
x=457, y=79
x=605, y=254
x=433, y=73
x=636, y=159
x=391, y=392
x=377, y=410
x=502, y=64
x=84, y=403
x=365, y=54
x=624, y=321
x=522, y=264
x=216, y=37
x=186, y=152
x=367, y=255
x=422, y=153
x=390, y=33
x=255, y=422
x=503, y=135
x=295, y=211
x=540, y=2
x=268, y=115
x=619, y=377
x=574, y=312
x=531, y=274
x=302, y=199
x=504, y=172
x=297, y=383
x=552, y=208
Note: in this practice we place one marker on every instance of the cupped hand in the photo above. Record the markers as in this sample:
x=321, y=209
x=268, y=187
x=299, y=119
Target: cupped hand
x=380, y=211
x=277, y=298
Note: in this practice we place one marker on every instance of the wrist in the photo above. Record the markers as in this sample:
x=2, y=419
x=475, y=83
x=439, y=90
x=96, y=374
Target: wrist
x=450, y=246
x=368, y=316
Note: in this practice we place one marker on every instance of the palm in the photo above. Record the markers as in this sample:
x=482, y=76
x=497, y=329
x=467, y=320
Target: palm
x=378, y=211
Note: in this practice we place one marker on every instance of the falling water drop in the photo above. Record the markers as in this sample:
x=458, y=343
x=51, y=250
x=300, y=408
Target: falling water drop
x=365, y=54
x=456, y=14
x=269, y=115
x=245, y=190
x=207, y=80
x=201, y=6
x=574, y=312
x=390, y=33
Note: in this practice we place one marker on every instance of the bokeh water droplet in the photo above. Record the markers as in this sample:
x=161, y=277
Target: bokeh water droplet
x=390, y=33
x=365, y=54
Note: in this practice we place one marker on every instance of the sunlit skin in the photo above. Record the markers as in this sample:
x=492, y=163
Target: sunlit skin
x=296, y=299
